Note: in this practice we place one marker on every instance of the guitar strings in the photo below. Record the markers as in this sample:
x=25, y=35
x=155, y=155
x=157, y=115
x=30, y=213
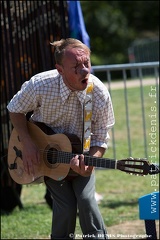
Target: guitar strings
x=136, y=162
x=134, y=166
x=102, y=162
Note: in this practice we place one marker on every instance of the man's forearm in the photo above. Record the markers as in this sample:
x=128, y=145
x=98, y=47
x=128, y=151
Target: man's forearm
x=20, y=124
x=97, y=151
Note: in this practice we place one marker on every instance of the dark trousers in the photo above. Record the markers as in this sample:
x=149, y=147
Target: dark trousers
x=67, y=196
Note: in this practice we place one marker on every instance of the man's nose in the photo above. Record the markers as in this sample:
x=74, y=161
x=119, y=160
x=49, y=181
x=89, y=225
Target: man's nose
x=84, y=71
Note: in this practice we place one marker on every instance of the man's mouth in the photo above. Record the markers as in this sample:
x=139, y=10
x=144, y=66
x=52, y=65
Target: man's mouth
x=84, y=81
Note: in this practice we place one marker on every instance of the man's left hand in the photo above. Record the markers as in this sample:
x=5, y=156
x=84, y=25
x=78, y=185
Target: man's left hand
x=78, y=166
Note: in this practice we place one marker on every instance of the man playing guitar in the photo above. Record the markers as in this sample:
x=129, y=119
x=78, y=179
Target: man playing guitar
x=57, y=99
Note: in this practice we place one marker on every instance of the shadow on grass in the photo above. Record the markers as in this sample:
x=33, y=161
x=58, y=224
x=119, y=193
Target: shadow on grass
x=29, y=208
x=115, y=204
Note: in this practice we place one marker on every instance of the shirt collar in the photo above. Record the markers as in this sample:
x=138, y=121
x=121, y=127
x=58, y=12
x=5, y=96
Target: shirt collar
x=65, y=92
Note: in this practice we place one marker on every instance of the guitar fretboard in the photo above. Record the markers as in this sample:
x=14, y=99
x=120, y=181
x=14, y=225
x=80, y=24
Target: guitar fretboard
x=65, y=157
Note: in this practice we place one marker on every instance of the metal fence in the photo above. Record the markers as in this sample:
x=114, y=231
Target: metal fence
x=144, y=136
x=144, y=50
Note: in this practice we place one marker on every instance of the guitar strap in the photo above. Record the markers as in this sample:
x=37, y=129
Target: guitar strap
x=87, y=116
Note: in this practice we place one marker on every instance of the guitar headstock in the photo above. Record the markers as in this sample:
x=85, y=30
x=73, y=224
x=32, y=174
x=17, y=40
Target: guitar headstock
x=136, y=166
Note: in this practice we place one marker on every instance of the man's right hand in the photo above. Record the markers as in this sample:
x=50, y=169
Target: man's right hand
x=30, y=152
x=30, y=156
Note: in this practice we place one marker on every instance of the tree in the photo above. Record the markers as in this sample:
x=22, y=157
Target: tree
x=114, y=25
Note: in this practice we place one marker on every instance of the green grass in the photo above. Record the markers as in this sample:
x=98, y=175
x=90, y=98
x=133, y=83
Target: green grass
x=34, y=221
x=135, y=123
x=120, y=204
x=120, y=191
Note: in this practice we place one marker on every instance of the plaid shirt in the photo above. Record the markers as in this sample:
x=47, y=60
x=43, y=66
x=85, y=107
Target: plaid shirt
x=54, y=104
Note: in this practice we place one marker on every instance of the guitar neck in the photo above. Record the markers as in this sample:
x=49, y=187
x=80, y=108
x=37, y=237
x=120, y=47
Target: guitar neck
x=65, y=157
x=100, y=162
x=49, y=146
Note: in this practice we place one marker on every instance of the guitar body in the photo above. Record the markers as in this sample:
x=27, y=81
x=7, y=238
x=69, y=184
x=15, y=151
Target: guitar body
x=48, y=166
x=56, y=151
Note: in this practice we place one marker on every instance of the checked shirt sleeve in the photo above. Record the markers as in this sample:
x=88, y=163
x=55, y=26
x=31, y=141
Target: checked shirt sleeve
x=103, y=119
x=25, y=99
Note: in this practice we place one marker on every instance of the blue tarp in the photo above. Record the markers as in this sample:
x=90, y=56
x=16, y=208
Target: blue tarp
x=77, y=27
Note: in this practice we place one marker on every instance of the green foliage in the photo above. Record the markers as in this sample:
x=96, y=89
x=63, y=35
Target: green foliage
x=114, y=25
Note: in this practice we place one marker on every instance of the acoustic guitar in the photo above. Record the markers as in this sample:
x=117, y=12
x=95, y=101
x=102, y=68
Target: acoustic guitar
x=56, y=151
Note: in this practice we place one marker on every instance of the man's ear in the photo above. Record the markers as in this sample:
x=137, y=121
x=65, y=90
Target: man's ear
x=59, y=68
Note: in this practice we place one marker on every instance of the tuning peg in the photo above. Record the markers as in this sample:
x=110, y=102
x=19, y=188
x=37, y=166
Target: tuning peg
x=128, y=173
x=131, y=173
x=136, y=174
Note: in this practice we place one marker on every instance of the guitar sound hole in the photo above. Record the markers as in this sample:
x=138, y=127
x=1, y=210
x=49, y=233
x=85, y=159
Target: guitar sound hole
x=52, y=155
